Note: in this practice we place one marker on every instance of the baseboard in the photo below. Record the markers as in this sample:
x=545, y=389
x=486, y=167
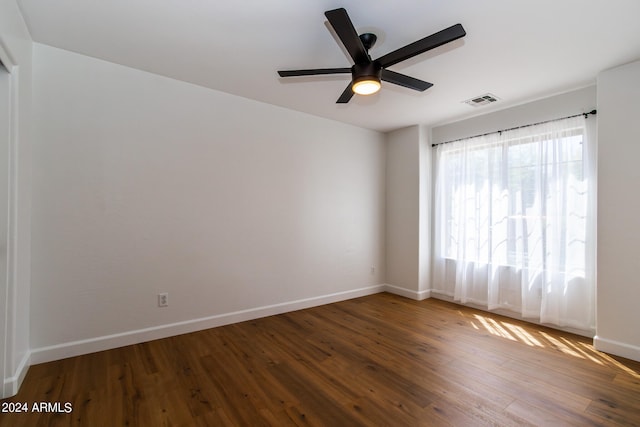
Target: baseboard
x=617, y=348
x=91, y=345
x=407, y=293
x=12, y=385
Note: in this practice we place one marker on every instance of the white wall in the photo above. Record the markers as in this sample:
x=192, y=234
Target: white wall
x=425, y=213
x=402, y=208
x=407, y=228
x=15, y=53
x=237, y=209
x=618, y=295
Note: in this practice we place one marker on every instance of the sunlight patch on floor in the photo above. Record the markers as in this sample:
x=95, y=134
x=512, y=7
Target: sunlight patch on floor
x=561, y=346
x=506, y=330
x=494, y=327
x=524, y=336
x=573, y=347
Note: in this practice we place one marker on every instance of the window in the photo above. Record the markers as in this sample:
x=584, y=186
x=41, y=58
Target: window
x=514, y=215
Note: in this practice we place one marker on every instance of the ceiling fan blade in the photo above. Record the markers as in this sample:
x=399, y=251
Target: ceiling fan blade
x=314, y=72
x=404, y=80
x=430, y=42
x=346, y=95
x=341, y=23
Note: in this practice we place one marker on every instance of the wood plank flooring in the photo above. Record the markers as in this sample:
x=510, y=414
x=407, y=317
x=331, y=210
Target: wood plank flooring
x=380, y=360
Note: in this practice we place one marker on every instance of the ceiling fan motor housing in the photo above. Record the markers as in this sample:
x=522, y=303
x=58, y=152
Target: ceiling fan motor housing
x=368, y=71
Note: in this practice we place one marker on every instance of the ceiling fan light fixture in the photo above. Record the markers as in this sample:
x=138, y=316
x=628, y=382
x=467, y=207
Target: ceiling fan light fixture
x=366, y=86
x=366, y=78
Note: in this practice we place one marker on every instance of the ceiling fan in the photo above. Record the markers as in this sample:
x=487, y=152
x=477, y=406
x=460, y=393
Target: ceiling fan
x=367, y=74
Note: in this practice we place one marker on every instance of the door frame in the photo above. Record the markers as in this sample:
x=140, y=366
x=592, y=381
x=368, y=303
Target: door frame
x=8, y=293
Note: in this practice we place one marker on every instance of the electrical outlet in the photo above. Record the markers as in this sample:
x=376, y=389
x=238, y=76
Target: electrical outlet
x=373, y=269
x=163, y=299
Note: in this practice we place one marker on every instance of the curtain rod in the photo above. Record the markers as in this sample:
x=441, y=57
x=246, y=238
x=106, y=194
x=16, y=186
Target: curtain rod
x=518, y=127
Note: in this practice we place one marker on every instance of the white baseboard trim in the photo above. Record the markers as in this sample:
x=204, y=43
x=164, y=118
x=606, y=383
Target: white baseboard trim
x=407, y=293
x=617, y=348
x=91, y=345
x=12, y=385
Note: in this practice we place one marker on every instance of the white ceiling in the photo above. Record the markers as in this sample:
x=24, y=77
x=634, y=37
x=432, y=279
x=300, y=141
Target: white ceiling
x=518, y=50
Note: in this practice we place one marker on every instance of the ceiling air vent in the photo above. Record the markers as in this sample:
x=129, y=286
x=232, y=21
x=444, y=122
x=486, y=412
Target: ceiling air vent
x=478, y=101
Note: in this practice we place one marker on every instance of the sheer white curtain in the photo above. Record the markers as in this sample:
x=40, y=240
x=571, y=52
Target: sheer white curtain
x=515, y=222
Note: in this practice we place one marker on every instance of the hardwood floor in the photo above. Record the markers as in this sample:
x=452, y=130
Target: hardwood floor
x=377, y=360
